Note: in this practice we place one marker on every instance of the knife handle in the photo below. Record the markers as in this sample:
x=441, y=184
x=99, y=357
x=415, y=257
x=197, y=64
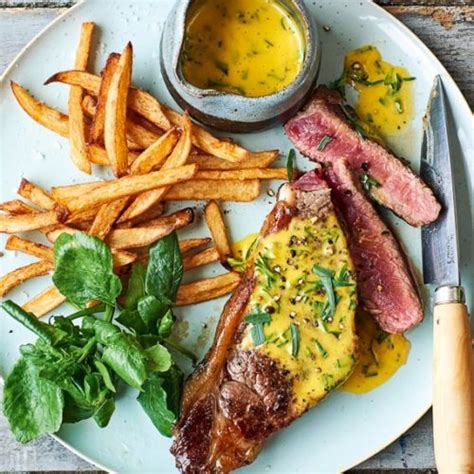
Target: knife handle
x=453, y=390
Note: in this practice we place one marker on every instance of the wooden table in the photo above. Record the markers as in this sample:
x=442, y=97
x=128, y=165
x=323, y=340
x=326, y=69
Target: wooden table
x=446, y=26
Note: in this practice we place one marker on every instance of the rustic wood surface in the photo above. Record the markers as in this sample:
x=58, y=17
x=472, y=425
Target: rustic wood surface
x=445, y=26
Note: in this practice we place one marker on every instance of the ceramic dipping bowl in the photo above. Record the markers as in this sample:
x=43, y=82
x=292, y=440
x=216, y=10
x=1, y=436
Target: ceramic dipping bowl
x=228, y=111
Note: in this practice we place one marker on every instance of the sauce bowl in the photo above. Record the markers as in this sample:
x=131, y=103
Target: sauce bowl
x=228, y=111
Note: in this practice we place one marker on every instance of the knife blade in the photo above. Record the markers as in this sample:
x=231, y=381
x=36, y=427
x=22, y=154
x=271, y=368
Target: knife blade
x=439, y=239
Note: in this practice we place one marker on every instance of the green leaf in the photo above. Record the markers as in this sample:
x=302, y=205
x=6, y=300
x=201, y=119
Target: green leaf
x=172, y=383
x=165, y=269
x=50, y=334
x=154, y=400
x=32, y=405
x=290, y=164
x=131, y=319
x=84, y=270
x=104, y=331
x=104, y=413
x=104, y=372
x=136, y=286
x=151, y=311
x=166, y=324
x=124, y=355
x=295, y=339
x=76, y=409
x=159, y=359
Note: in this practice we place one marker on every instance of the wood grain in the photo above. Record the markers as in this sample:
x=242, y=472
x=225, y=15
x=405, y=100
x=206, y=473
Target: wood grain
x=446, y=26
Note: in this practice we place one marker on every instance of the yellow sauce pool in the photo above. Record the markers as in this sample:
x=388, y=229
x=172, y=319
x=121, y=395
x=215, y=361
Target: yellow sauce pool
x=385, y=90
x=246, y=47
x=380, y=356
x=316, y=346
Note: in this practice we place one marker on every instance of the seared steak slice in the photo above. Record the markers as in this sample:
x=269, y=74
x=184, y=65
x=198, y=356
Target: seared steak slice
x=385, y=285
x=400, y=189
x=280, y=346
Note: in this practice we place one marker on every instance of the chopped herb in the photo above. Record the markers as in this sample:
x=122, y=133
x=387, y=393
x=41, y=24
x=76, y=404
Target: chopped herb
x=343, y=279
x=368, y=182
x=269, y=43
x=261, y=263
x=290, y=164
x=295, y=339
x=326, y=279
x=258, y=318
x=324, y=142
x=223, y=67
x=339, y=85
x=257, y=334
x=399, y=106
x=383, y=101
x=355, y=122
x=321, y=349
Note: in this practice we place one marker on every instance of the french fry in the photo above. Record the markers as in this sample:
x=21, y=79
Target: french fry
x=205, y=257
x=188, y=245
x=224, y=190
x=96, y=134
x=178, y=158
x=156, y=154
x=77, y=125
x=152, y=110
x=181, y=218
x=207, y=289
x=137, y=237
x=80, y=218
x=121, y=257
x=115, y=137
x=16, y=207
x=138, y=100
x=44, y=302
x=20, y=275
x=30, y=248
x=71, y=191
x=251, y=173
x=129, y=186
x=33, y=221
x=40, y=112
x=138, y=133
x=151, y=214
x=138, y=136
x=106, y=217
x=257, y=160
x=36, y=195
x=216, y=225
x=98, y=155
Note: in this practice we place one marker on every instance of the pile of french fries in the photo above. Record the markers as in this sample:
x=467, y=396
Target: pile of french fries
x=156, y=154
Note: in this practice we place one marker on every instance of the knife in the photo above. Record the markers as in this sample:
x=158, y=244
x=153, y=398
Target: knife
x=453, y=401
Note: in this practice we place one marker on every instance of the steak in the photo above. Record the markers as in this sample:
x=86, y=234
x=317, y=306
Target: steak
x=398, y=188
x=279, y=348
x=386, y=287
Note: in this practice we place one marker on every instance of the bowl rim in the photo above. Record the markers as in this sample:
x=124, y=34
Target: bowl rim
x=310, y=32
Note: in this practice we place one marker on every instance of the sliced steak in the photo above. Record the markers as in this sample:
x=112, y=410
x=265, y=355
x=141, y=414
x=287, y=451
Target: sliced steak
x=400, y=189
x=246, y=390
x=386, y=287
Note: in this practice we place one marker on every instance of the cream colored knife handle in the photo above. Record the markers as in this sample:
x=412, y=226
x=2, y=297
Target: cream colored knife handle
x=453, y=400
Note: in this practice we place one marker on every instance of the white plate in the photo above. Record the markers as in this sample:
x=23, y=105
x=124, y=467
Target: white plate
x=345, y=429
